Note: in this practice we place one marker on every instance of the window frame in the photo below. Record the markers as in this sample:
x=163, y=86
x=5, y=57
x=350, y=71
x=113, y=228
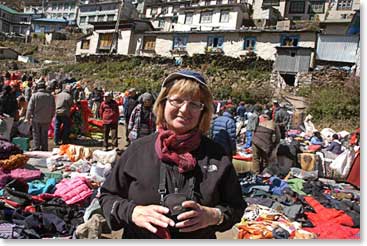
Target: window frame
x=290, y=36
x=183, y=46
x=310, y=11
x=221, y=16
x=207, y=14
x=151, y=40
x=192, y=18
x=84, y=18
x=83, y=43
x=213, y=37
x=251, y=39
x=343, y=5
x=160, y=21
x=290, y=11
x=105, y=39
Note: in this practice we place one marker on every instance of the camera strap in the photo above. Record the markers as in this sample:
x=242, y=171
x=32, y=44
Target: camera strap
x=162, y=190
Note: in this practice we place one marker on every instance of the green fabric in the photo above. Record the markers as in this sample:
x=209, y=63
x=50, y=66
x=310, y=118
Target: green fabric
x=55, y=175
x=296, y=185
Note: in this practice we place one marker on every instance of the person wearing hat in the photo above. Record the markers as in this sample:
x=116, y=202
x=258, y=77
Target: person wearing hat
x=96, y=100
x=264, y=142
x=64, y=101
x=142, y=119
x=109, y=111
x=224, y=131
x=175, y=183
x=40, y=111
x=129, y=104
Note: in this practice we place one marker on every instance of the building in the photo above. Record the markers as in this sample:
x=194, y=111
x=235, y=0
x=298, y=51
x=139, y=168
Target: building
x=268, y=12
x=12, y=21
x=8, y=53
x=46, y=25
x=199, y=15
x=66, y=9
x=102, y=40
x=321, y=10
x=34, y=6
x=345, y=40
x=106, y=11
x=235, y=43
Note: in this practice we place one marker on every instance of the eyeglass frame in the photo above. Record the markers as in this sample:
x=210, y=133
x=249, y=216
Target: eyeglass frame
x=202, y=105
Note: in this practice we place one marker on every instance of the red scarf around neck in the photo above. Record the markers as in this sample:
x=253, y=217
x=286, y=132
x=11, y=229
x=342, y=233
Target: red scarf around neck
x=176, y=148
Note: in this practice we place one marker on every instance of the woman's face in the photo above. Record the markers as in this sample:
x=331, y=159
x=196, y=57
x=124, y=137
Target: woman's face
x=184, y=118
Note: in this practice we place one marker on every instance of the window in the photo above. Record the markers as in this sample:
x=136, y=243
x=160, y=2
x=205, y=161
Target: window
x=269, y=3
x=215, y=42
x=100, y=18
x=161, y=23
x=180, y=42
x=344, y=5
x=297, y=7
x=188, y=18
x=92, y=18
x=289, y=40
x=224, y=16
x=83, y=20
x=316, y=7
x=105, y=41
x=164, y=11
x=154, y=11
x=110, y=17
x=206, y=17
x=249, y=43
x=85, y=44
x=149, y=43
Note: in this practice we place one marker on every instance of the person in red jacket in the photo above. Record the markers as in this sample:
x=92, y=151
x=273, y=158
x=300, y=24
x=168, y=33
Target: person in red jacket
x=109, y=111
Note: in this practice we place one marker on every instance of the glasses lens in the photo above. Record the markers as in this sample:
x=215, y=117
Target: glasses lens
x=178, y=102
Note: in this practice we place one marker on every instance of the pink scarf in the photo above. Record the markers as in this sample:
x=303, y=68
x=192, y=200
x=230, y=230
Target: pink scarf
x=176, y=148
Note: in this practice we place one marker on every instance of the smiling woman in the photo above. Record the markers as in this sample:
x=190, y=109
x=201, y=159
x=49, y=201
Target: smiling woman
x=176, y=183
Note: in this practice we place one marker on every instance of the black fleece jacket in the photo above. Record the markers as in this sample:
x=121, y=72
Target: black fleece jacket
x=134, y=180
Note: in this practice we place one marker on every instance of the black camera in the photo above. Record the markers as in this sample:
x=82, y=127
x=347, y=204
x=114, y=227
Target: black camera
x=174, y=203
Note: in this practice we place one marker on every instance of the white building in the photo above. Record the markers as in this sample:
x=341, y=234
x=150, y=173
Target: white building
x=198, y=15
x=66, y=9
x=101, y=40
x=235, y=43
x=103, y=12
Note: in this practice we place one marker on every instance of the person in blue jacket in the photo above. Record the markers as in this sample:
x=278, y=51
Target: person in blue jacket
x=224, y=131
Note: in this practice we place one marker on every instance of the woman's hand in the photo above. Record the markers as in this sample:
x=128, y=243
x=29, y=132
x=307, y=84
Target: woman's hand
x=197, y=218
x=151, y=216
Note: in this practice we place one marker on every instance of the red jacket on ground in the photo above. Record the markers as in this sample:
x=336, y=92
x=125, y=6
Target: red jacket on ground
x=109, y=112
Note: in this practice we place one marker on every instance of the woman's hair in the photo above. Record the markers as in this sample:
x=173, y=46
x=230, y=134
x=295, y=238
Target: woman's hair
x=335, y=136
x=186, y=87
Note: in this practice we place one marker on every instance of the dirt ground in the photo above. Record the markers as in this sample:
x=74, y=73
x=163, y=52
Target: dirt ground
x=97, y=144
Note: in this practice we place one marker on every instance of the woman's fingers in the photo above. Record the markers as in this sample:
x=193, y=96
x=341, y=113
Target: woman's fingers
x=150, y=216
x=197, y=218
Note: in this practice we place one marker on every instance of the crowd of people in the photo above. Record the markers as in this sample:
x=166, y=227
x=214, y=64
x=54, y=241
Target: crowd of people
x=175, y=179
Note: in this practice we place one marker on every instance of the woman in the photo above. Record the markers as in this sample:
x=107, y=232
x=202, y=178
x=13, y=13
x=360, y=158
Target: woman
x=109, y=112
x=142, y=119
x=179, y=160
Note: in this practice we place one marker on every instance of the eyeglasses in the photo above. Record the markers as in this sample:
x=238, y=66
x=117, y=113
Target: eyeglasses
x=194, y=106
